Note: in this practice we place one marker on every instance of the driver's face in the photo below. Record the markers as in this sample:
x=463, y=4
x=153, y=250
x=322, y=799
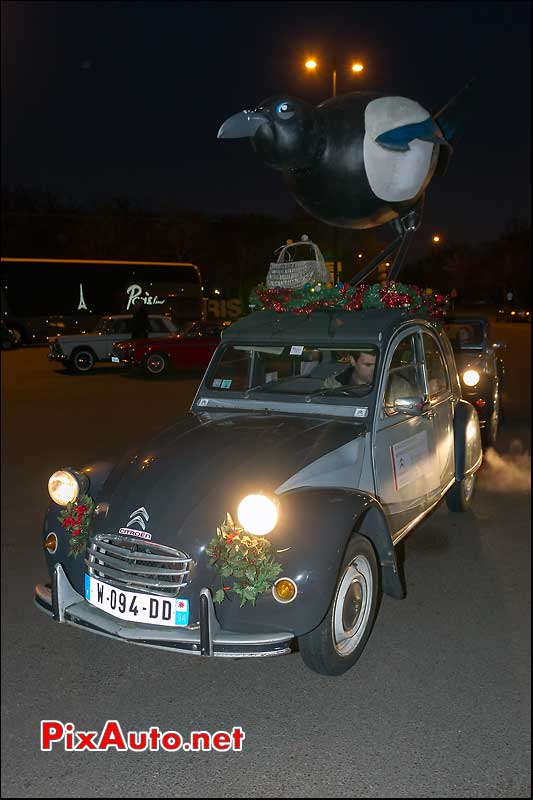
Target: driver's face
x=363, y=368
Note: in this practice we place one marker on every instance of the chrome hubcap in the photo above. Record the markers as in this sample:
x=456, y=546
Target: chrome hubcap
x=156, y=364
x=352, y=606
x=84, y=361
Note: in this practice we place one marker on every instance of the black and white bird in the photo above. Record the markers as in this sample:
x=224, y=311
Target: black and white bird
x=357, y=160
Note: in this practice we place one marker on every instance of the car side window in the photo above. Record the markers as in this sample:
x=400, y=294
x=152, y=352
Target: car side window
x=157, y=325
x=437, y=374
x=404, y=378
x=122, y=326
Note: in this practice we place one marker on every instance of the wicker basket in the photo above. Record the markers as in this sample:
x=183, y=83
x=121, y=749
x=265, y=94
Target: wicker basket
x=289, y=273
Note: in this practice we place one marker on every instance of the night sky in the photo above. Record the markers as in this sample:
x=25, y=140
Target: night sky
x=106, y=99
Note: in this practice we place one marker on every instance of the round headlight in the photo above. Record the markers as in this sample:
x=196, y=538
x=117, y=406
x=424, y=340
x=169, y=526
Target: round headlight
x=257, y=514
x=471, y=377
x=63, y=487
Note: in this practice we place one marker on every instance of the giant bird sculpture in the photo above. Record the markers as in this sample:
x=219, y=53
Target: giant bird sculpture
x=357, y=160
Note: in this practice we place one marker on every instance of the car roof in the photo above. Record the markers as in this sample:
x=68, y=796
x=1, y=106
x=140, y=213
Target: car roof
x=129, y=316
x=371, y=326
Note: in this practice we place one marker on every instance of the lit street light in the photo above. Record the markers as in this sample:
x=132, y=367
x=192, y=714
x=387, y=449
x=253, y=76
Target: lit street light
x=312, y=64
x=436, y=239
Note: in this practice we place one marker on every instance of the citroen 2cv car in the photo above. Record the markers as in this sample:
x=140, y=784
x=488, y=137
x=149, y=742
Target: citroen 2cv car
x=481, y=370
x=270, y=513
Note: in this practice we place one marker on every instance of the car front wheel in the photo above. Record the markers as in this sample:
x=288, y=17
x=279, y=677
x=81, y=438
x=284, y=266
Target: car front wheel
x=156, y=364
x=459, y=498
x=82, y=361
x=337, y=643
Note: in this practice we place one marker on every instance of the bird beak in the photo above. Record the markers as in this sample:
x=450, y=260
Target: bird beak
x=243, y=124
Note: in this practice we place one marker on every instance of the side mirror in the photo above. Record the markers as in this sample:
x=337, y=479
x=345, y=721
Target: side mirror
x=410, y=406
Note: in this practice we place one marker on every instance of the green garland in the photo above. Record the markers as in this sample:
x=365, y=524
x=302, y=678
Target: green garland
x=244, y=557
x=76, y=519
x=344, y=297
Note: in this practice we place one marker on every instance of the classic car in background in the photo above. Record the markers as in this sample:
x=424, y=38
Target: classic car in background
x=191, y=348
x=481, y=370
x=80, y=352
x=271, y=511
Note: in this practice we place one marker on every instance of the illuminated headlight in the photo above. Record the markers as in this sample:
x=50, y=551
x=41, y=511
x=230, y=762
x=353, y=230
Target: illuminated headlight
x=65, y=486
x=471, y=377
x=257, y=514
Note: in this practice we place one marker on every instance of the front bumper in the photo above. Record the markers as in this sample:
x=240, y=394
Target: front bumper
x=65, y=604
x=54, y=356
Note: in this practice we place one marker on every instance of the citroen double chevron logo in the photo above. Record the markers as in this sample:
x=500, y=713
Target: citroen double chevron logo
x=141, y=516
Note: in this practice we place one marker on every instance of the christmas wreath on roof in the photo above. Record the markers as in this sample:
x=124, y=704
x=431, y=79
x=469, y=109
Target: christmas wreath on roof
x=344, y=297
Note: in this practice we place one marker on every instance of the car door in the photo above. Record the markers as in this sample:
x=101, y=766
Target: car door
x=120, y=331
x=404, y=455
x=442, y=404
x=198, y=345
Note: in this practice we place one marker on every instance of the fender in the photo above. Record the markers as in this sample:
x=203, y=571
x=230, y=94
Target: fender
x=97, y=472
x=309, y=541
x=466, y=440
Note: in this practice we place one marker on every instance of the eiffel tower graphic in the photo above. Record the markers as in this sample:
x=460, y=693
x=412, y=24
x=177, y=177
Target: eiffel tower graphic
x=81, y=304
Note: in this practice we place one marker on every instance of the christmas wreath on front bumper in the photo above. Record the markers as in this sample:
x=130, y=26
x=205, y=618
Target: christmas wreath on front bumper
x=76, y=518
x=245, y=558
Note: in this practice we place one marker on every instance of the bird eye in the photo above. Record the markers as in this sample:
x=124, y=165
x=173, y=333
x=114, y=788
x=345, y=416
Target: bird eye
x=285, y=110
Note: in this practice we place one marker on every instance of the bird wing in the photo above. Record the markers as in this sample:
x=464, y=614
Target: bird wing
x=399, y=138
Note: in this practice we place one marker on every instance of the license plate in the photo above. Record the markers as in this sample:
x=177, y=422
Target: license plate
x=115, y=359
x=148, y=609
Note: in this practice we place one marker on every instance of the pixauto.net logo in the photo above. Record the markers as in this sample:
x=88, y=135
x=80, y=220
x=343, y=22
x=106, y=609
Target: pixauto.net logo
x=55, y=733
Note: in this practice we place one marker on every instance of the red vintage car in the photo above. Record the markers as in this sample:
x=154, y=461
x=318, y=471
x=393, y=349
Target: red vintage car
x=191, y=348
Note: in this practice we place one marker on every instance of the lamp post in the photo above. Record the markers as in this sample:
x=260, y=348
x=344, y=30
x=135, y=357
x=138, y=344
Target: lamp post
x=311, y=64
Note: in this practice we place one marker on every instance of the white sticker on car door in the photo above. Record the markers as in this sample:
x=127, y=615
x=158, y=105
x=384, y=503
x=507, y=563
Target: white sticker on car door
x=410, y=460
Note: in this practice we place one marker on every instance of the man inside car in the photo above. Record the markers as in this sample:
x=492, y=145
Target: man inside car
x=359, y=373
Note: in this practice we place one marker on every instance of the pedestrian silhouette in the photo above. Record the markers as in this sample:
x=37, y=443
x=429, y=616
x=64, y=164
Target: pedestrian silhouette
x=139, y=322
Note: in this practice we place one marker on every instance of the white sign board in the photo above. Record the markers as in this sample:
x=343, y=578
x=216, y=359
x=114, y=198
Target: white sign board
x=410, y=460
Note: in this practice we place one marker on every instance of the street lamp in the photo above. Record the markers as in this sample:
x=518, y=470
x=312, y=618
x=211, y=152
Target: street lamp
x=436, y=239
x=311, y=64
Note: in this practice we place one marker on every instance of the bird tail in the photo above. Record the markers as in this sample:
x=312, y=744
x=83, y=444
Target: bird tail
x=450, y=120
x=452, y=116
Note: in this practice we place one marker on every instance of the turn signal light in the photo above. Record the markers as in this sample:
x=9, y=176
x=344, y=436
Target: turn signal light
x=284, y=590
x=50, y=543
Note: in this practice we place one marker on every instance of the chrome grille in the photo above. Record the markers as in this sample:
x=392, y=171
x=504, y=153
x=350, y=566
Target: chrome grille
x=137, y=565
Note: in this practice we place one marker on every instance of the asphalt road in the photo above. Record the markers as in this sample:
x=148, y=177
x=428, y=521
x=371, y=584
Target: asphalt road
x=437, y=706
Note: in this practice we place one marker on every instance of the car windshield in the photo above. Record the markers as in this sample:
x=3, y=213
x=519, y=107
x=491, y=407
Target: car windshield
x=294, y=369
x=463, y=335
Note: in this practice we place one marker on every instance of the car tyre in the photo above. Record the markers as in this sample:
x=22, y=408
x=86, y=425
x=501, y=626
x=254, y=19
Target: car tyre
x=156, y=364
x=82, y=360
x=337, y=643
x=459, y=497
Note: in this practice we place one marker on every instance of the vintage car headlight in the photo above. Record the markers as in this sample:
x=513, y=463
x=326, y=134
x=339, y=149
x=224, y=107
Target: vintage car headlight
x=471, y=377
x=66, y=485
x=258, y=514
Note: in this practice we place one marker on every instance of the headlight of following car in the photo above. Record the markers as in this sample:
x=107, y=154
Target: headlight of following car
x=258, y=514
x=471, y=377
x=65, y=486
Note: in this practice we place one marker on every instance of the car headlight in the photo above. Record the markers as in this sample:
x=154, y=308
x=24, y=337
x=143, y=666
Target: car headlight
x=65, y=486
x=471, y=377
x=258, y=514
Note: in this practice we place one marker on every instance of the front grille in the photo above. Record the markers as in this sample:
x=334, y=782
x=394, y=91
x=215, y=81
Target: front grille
x=138, y=566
